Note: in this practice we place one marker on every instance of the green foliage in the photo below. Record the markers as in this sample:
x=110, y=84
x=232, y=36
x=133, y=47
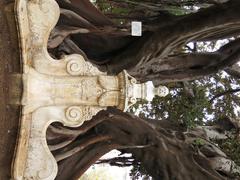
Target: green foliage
x=179, y=106
x=138, y=172
x=198, y=142
x=123, y=11
x=202, y=107
x=225, y=105
x=190, y=111
x=179, y=10
x=231, y=147
x=112, y=7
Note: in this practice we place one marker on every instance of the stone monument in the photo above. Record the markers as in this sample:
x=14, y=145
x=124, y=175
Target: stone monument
x=69, y=90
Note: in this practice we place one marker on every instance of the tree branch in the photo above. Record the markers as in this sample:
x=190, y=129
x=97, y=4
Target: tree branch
x=234, y=71
x=67, y=153
x=230, y=91
x=152, y=47
x=170, y=149
x=118, y=161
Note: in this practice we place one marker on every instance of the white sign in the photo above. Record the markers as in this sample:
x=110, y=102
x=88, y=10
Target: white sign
x=136, y=29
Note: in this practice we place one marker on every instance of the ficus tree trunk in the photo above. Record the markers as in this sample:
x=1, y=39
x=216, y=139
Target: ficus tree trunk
x=157, y=55
x=165, y=150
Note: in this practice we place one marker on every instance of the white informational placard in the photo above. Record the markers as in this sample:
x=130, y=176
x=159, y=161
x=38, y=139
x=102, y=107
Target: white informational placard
x=136, y=29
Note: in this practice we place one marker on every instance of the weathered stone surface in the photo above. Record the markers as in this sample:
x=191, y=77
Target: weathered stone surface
x=69, y=90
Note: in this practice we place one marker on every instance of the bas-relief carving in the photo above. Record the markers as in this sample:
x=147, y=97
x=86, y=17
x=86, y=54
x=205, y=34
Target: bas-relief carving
x=69, y=90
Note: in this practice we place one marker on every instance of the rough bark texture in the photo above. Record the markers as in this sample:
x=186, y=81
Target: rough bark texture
x=234, y=71
x=158, y=54
x=146, y=60
x=165, y=150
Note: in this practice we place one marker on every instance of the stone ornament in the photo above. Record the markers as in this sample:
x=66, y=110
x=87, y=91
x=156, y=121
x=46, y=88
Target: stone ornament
x=70, y=90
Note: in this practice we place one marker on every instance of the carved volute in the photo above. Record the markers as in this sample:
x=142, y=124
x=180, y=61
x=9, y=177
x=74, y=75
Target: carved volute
x=69, y=90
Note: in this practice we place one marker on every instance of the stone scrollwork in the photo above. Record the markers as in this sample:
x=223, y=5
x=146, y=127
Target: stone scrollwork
x=66, y=90
x=74, y=67
x=77, y=66
x=76, y=115
x=73, y=114
x=53, y=90
x=70, y=90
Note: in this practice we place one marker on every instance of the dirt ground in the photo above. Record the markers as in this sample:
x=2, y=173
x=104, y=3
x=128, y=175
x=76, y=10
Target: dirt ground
x=9, y=63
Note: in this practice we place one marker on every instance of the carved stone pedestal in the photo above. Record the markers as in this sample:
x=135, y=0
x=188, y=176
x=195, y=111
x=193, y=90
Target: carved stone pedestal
x=69, y=90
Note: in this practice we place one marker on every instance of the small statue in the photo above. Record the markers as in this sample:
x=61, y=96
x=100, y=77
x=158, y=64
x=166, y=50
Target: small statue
x=145, y=91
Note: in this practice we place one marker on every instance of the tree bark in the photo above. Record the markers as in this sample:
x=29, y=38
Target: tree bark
x=234, y=71
x=208, y=22
x=113, y=49
x=159, y=146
